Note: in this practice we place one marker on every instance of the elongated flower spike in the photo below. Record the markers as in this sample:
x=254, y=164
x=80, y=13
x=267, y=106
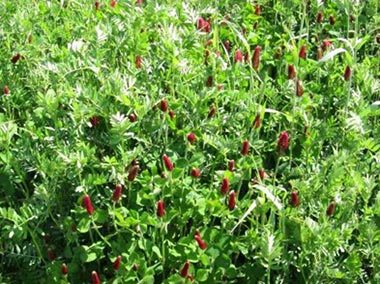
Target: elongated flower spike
x=117, y=193
x=160, y=208
x=117, y=262
x=201, y=242
x=95, y=278
x=168, y=164
x=238, y=56
x=256, y=58
x=245, y=148
x=232, y=201
x=185, y=269
x=294, y=199
x=225, y=187
x=331, y=208
x=87, y=204
x=283, y=141
x=302, y=53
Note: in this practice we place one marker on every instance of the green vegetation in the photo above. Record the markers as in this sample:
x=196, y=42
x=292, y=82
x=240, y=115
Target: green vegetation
x=189, y=141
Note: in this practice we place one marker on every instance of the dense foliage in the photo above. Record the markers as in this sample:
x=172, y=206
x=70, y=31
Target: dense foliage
x=189, y=141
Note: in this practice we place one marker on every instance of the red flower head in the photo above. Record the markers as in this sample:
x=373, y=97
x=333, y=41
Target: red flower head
x=160, y=208
x=168, y=164
x=291, y=72
x=95, y=277
x=332, y=20
x=302, y=53
x=117, y=193
x=6, y=90
x=133, y=173
x=257, y=121
x=88, y=204
x=16, y=58
x=94, y=121
x=185, y=269
x=225, y=187
x=138, y=61
x=245, y=148
x=319, y=17
x=203, y=25
x=257, y=10
x=164, y=105
x=256, y=58
x=139, y=2
x=227, y=45
x=326, y=44
x=262, y=174
x=212, y=111
x=200, y=242
x=209, y=81
x=64, y=269
x=113, y=3
x=191, y=137
x=347, y=73
x=294, y=199
x=171, y=114
x=195, y=173
x=231, y=165
x=331, y=208
x=283, y=142
x=232, y=201
x=117, y=262
x=132, y=117
x=238, y=56
x=97, y=5
x=299, y=88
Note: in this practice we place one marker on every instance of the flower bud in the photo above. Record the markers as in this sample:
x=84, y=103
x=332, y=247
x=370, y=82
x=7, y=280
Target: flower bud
x=294, y=199
x=238, y=56
x=185, y=269
x=201, y=243
x=319, y=17
x=232, y=201
x=331, y=208
x=256, y=58
x=299, y=88
x=117, y=193
x=195, y=173
x=168, y=164
x=231, y=165
x=164, y=105
x=225, y=187
x=95, y=278
x=87, y=204
x=117, y=262
x=283, y=142
x=191, y=138
x=291, y=72
x=257, y=121
x=347, y=73
x=138, y=61
x=6, y=90
x=332, y=20
x=302, y=53
x=133, y=173
x=212, y=111
x=64, y=269
x=160, y=208
x=245, y=148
